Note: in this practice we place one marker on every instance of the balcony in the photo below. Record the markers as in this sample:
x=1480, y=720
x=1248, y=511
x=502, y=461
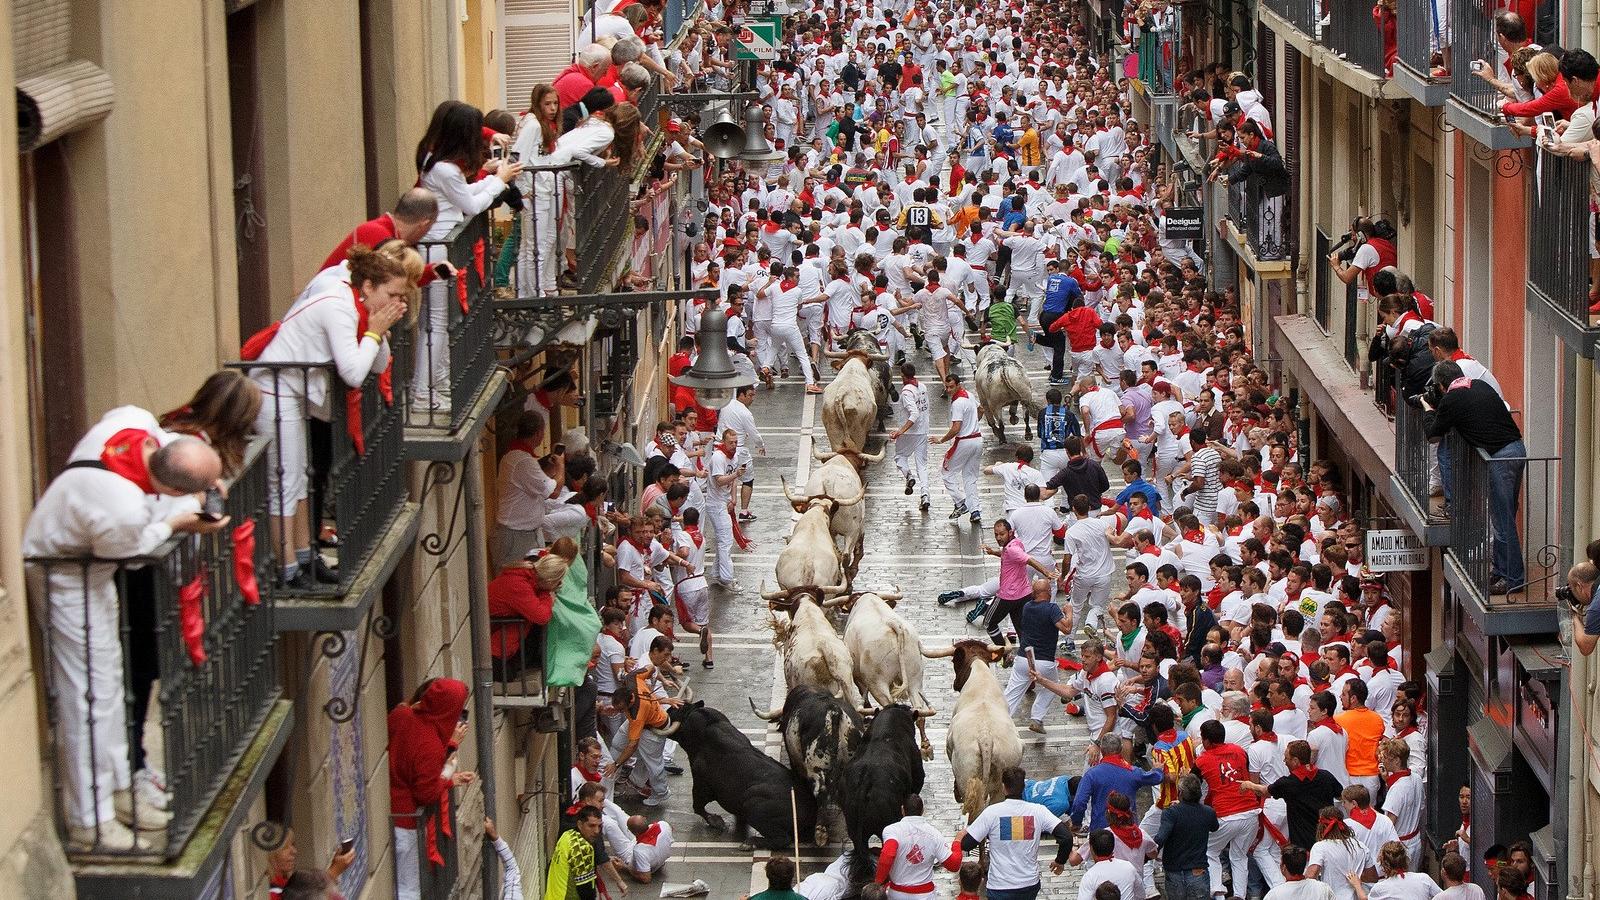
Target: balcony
x=1559, y=237
x=1416, y=468
x=1354, y=37
x=448, y=408
x=1257, y=229
x=1414, y=70
x=191, y=612
x=1474, y=105
x=1302, y=15
x=351, y=475
x=1472, y=478
x=436, y=881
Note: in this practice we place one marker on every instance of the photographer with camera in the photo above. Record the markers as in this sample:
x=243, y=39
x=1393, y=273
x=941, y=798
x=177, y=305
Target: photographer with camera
x=1579, y=595
x=1473, y=410
x=1366, y=249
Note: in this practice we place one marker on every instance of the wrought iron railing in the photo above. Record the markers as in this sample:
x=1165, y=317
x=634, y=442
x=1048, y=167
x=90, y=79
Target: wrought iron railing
x=1419, y=35
x=1355, y=36
x=596, y=198
x=1260, y=219
x=1560, y=234
x=516, y=646
x=1505, y=515
x=194, y=616
x=453, y=353
x=342, y=466
x=436, y=823
x=1302, y=14
x=1385, y=386
x=1414, y=457
x=1472, y=27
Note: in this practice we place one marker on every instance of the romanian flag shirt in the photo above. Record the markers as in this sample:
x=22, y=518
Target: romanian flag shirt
x=1013, y=829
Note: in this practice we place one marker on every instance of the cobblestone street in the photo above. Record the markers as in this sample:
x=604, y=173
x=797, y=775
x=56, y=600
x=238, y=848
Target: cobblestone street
x=921, y=554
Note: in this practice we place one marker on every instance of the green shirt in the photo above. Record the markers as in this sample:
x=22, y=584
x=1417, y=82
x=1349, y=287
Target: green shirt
x=1002, y=321
x=571, y=867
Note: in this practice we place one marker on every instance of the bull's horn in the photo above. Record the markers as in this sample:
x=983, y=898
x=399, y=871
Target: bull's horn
x=940, y=652
x=768, y=716
x=770, y=596
x=851, y=501
x=819, y=456
x=834, y=590
x=866, y=712
x=925, y=713
x=890, y=599
x=668, y=731
x=837, y=602
x=791, y=495
x=872, y=459
x=834, y=354
x=877, y=357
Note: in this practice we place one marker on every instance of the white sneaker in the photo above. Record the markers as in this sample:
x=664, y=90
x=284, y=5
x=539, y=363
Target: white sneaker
x=149, y=789
x=110, y=836
x=148, y=817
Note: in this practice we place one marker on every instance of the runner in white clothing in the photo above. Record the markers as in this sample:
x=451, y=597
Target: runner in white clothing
x=912, y=847
x=911, y=437
x=962, y=460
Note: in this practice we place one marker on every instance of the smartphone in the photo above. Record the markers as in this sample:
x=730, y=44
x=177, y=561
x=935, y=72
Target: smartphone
x=464, y=712
x=211, y=507
x=443, y=270
x=346, y=845
x=1479, y=65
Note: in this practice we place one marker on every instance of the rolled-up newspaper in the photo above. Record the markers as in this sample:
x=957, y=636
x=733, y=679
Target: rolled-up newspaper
x=696, y=888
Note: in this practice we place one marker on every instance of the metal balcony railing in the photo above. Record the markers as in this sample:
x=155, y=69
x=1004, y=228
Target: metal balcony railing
x=1302, y=14
x=1505, y=508
x=437, y=822
x=200, y=608
x=453, y=357
x=1559, y=235
x=356, y=486
x=1259, y=220
x=1415, y=458
x=594, y=199
x=1385, y=387
x=1472, y=25
x=1420, y=35
x=517, y=648
x=1355, y=36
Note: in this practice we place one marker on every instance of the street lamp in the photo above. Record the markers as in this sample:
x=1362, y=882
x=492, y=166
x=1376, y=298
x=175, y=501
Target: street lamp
x=713, y=377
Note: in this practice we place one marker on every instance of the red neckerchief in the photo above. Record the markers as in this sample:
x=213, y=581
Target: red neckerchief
x=587, y=775
x=1099, y=670
x=543, y=398
x=1365, y=815
x=1345, y=671
x=1270, y=737
x=1304, y=773
x=788, y=284
x=650, y=835
x=1144, y=514
x=1409, y=729
x=1392, y=777
x=1195, y=536
x=1244, y=719
x=1090, y=391
x=1151, y=550
x=1115, y=759
x=1214, y=598
x=1284, y=708
x=959, y=394
x=123, y=454
x=1292, y=596
x=1294, y=878
x=1130, y=834
x=644, y=549
x=728, y=450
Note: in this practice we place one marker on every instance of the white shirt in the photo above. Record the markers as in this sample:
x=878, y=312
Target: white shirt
x=322, y=326
x=1328, y=748
x=738, y=417
x=611, y=654
x=1120, y=872
x=1405, y=886
x=523, y=490
x=1013, y=828
x=914, y=407
x=718, y=495
x=1099, y=694
x=1091, y=550
x=1373, y=839
x=1035, y=525
x=964, y=414
x=1300, y=890
x=1404, y=800
x=1016, y=477
x=1337, y=858
x=922, y=848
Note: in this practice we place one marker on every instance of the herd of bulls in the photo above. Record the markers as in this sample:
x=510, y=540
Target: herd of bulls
x=855, y=704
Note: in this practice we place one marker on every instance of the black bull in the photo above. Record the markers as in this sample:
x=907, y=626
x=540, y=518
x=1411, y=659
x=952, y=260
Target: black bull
x=820, y=734
x=753, y=787
x=873, y=785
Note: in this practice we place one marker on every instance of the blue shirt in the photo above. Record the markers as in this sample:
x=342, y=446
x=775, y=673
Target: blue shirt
x=1059, y=291
x=1054, y=794
x=1055, y=423
x=1097, y=785
x=1037, y=630
x=1591, y=616
x=1151, y=495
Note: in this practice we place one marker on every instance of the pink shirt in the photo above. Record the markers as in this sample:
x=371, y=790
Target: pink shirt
x=1014, y=581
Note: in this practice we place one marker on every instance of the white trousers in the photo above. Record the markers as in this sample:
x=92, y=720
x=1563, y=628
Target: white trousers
x=811, y=318
x=722, y=526
x=649, y=760
x=538, y=259
x=1235, y=834
x=764, y=354
x=1017, y=687
x=430, y=375
x=407, y=875
x=84, y=661
x=282, y=418
x=979, y=591
x=961, y=472
x=911, y=457
x=1089, y=601
x=1051, y=462
x=786, y=339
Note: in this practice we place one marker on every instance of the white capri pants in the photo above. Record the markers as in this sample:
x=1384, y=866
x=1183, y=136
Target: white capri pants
x=786, y=340
x=1017, y=687
x=911, y=457
x=283, y=417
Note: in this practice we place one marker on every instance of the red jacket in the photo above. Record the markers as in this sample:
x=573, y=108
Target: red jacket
x=419, y=743
x=371, y=233
x=572, y=84
x=1082, y=325
x=516, y=592
x=1557, y=100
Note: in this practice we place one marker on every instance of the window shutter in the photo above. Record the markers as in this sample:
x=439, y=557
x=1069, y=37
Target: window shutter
x=1290, y=145
x=538, y=45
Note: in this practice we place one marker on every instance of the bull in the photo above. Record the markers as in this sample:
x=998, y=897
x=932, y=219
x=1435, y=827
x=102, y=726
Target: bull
x=811, y=557
x=840, y=476
x=886, y=654
x=982, y=741
x=1001, y=383
x=877, y=780
x=813, y=654
x=882, y=390
x=749, y=785
x=850, y=402
x=820, y=734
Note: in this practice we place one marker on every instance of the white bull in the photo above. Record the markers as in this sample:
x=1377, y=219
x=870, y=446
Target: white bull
x=840, y=476
x=811, y=558
x=1001, y=382
x=849, y=402
x=982, y=740
x=813, y=653
x=887, y=655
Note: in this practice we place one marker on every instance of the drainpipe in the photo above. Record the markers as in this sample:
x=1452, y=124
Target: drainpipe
x=482, y=670
x=1581, y=680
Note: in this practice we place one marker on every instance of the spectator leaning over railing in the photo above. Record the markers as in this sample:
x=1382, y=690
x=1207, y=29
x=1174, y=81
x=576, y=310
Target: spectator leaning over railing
x=583, y=75
x=1480, y=418
x=344, y=325
x=1266, y=175
x=423, y=737
x=1511, y=38
x=109, y=504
